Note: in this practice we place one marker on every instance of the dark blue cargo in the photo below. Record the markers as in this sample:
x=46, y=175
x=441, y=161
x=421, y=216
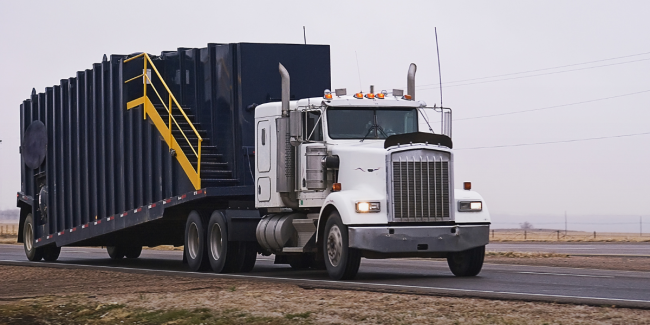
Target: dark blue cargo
x=96, y=172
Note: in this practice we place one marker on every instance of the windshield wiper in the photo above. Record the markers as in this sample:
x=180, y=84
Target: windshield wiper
x=371, y=128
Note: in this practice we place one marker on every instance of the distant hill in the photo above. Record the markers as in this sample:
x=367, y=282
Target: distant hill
x=11, y=215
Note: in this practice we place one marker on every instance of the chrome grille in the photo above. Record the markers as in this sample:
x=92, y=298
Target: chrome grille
x=420, y=189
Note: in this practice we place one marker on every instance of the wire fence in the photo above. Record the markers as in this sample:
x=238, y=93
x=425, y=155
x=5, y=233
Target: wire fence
x=8, y=230
x=565, y=236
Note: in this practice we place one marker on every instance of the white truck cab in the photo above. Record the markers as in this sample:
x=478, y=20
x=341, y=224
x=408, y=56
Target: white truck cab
x=348, y=176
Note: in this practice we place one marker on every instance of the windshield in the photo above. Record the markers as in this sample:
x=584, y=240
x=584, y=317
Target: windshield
x=368, y=123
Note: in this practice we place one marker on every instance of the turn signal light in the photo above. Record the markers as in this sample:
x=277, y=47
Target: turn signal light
x=370, y=96
x=467, y=186
x=358, y=95
x=336, y=187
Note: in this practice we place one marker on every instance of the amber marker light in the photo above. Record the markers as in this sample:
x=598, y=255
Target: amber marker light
x=328, y=96
x=467, y=186
x=358, y=95
x=380, y=96
x=336, y=187
x=370, y=96
x=407, y=97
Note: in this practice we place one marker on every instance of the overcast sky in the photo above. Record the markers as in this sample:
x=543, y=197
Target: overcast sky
x=579, y=52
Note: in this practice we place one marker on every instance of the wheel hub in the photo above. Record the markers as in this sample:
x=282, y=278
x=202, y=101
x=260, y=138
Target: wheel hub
x=334, y=245
x=216, y=242
x=193, y=241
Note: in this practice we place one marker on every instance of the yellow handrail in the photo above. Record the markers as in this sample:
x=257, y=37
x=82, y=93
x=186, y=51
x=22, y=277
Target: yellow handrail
x=169, y=109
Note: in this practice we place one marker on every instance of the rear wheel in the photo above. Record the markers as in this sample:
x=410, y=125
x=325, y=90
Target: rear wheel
x=467, y=263
x=33, y=254
x=51, y=252
x=341, y=261
x=225, y=256
x=115, y=252
x=195, y=247
x=133, y=251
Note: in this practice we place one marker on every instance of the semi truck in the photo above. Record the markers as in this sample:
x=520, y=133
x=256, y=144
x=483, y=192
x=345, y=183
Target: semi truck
x=236, y=150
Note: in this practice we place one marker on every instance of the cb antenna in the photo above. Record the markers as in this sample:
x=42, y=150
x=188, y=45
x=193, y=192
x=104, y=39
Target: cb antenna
x=439, y=73
x=304, y=34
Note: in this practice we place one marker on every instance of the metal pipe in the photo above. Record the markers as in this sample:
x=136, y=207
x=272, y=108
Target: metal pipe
x=410, y=80
x=286, y=90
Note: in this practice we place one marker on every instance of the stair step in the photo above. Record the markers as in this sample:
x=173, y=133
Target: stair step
x=210, y=164
x=216, y=172
x=205, y=181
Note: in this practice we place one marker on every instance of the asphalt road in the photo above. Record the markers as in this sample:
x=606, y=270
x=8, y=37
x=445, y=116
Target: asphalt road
x=530, y=283
x=624, y=249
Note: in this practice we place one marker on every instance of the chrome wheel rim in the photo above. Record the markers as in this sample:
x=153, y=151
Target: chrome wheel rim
x=216, y=241
x=29, y=237
x=334, y=245
x=193, y=241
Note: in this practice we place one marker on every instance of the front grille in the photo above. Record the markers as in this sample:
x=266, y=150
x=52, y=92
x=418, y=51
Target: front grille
x=420, y=189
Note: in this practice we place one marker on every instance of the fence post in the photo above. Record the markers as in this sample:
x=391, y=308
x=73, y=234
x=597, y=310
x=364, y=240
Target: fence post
x=525, y=234
x=492, y=233
x=594, y=235
x=558, y=235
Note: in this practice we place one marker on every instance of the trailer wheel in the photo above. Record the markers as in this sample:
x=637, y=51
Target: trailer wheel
x=466, y=263
x=115, y=252
x=195, y=247
x=341, y=261
x=223, y=254
x=133, y=251
x=51, y=252
x=33, y=254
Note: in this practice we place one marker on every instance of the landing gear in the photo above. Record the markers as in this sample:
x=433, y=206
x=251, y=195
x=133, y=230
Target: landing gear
x=33, y=254
x=341, y=261
x=466, y=263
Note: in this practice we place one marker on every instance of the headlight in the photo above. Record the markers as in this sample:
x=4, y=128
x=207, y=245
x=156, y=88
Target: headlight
x=364, y=207
x=470, y=206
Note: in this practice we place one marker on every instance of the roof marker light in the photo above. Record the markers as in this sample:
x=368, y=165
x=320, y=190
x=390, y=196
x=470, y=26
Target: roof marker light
x=358, y=95
x=370, y=96
x=328, y=94
x=381, y=95
x=407, y=97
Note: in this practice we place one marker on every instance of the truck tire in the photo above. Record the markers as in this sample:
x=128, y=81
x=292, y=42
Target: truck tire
x=132, y=251
x=33, y=254
x=51, y=252
x=224, y=255
x=466, y=263
x=115, y=252
x=341, y=261
x=195, y=243
x=250, y=256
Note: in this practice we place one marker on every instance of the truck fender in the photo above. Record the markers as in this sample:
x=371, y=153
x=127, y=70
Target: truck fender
x=335, y=201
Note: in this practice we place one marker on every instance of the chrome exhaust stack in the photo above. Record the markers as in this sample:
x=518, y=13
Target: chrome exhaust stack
x=286, y=90
x=410, y=81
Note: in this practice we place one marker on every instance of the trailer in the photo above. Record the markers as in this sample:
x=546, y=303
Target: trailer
x=235, y=150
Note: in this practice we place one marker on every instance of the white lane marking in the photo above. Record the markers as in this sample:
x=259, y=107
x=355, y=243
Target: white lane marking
x=567, y=274
x=379, y=285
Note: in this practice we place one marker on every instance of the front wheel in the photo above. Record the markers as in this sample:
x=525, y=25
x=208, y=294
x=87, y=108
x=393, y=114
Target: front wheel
x=341, y=261
x=34, y=254
x=466, y=263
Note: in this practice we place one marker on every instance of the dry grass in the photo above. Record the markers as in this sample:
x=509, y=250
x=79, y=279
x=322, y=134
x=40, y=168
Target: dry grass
x=544, y=235
x=129, y=298
x=524, y=254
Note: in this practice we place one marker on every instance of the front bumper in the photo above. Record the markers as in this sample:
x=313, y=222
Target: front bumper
x=423, y=239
